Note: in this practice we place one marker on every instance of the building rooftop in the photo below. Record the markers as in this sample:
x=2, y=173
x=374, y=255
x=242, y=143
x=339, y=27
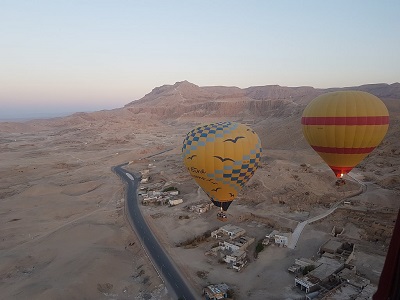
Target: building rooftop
x=232, y=228
x=271, y=233
x=285, y=234
x=351, y=277
x=327, y=267
x=238, y=253
x=240, y=241
x=344, y=291
x=367, y=292
x=332, y=245
x=218, y=290
x=309, y=280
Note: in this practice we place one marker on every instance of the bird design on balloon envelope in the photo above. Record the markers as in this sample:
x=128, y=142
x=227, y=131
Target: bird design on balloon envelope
x=223, y=159
x=235, y=139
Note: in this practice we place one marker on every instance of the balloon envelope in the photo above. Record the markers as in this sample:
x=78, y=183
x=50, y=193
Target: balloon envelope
x=344, y=127
x=221, y=157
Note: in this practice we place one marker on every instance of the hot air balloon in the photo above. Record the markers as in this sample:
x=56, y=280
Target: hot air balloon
x=344, y=127
x=221, y=157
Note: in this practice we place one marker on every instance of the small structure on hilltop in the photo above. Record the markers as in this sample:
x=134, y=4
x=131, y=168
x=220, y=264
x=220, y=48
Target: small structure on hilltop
x=216, y=291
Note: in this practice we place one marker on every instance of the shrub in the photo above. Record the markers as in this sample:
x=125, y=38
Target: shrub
x=308, y=269
x=260, y=246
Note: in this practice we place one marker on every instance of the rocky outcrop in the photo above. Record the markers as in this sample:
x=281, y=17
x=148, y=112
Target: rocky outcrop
x=187, y=100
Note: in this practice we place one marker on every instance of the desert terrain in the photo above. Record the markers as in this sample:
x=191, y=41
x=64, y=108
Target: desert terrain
x=64, y=232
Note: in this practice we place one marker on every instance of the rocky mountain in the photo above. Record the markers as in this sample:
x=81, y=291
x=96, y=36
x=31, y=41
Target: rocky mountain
x=187, y=100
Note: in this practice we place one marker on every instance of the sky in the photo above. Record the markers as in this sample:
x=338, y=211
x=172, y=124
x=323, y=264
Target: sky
x=60, y=57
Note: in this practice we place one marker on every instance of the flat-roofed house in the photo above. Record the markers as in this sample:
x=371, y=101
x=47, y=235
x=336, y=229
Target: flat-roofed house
x=228, y=230
x=282, y=239
x=235, y=256
x=326, y=267
x=216, y=291
x=240, y=243
x=175, y=202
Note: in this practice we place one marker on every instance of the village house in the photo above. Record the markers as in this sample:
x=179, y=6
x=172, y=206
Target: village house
x=237, y=259
x=154, y=200
x=229, y=230
x=331, y=276
x=144, y=180
x=338, y=250
x=216, y=291
x=173, y=202
x=300, y=264
x=234, y=256
x=240, y=243
x=173, y=193
x=350, y=286
x=324, y=268
x=349, y=275
x=275, y=237
x=232, y=247
x=201, y=208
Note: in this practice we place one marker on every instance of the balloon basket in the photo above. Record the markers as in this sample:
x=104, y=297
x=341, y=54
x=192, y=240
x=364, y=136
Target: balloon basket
x=222, y=217
x=340, y=182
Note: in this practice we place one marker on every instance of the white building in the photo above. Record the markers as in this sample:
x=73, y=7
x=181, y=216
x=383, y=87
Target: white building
x=240, y=243
x=281, y=239
x=175, y=202
x=201, y=208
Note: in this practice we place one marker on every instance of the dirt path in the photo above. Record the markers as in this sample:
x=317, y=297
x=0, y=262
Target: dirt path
x=298, y=230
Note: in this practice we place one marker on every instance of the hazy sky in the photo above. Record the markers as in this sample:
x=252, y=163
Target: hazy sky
x=66, y=56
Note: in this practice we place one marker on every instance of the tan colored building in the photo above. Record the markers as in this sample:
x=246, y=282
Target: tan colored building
x=229, y=230
x=281, y=239
x=175, y=202
x=325, y=267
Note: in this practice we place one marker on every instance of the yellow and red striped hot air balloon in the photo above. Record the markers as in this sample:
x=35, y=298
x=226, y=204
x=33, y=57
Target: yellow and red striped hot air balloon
x=344, y=127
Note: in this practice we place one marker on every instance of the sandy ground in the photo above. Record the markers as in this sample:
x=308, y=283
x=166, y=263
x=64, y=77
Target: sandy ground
x=266, y=277
x=64, y=234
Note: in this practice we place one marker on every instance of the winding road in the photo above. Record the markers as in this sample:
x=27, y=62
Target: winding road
x=172, y=278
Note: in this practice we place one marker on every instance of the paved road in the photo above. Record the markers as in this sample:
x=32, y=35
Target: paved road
x=171, y=276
